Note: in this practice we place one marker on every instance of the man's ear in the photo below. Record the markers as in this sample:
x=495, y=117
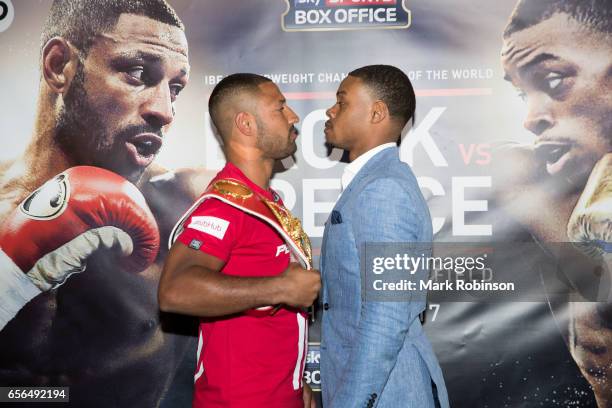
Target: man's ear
x=59, y=64
x=379, y=112
x=245, y=122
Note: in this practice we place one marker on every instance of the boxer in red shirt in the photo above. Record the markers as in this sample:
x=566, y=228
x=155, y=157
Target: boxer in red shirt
x=230, y=264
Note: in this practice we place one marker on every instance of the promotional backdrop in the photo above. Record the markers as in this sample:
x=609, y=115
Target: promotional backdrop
x=464, y=146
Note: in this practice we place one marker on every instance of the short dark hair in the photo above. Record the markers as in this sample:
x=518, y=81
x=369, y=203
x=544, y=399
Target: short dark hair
x=79, y=21
x=392, y=86
x=229, y=87
x=593, y=14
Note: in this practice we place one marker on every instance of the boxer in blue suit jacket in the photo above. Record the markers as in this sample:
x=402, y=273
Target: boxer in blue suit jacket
x=373, y=353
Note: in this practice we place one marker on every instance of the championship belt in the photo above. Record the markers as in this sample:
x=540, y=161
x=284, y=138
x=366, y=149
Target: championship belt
x=240, y=196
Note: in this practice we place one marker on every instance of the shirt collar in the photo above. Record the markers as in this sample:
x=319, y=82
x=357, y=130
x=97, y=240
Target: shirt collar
x=351, y=170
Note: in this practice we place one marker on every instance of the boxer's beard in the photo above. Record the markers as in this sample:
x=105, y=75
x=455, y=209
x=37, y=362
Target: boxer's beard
x=276, y=147
x=84, y=136
x=80, y=133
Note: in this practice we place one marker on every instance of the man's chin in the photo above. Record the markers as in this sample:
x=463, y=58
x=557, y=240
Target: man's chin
x=134, y=175
x=131, y=173
x=291, y=150
x=574, y=173
x=285, y=155
x=578, y=171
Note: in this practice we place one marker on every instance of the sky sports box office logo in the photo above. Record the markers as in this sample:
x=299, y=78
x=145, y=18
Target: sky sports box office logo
x=319, y=15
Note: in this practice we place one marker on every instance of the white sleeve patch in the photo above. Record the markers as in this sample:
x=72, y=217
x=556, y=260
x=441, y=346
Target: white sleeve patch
x=210, y=225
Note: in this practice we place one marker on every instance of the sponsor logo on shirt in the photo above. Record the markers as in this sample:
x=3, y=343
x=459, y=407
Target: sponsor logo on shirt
x=195, y=244
x=209, y=225
x=282, y=249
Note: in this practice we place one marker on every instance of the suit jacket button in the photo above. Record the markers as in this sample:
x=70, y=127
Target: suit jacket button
x=325, y=306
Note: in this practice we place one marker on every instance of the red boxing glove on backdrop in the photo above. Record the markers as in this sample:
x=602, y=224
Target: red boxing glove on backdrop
x=54, y=231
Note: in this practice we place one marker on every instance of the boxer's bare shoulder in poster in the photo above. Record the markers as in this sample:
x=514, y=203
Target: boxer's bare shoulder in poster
x=170, y=190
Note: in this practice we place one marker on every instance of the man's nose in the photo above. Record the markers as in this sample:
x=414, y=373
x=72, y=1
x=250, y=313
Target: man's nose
x=539, y=116
x=331, y=112
x=292, y=117
x=157, y=109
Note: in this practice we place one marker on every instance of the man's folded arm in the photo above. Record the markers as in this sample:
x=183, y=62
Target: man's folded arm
x=192, y=283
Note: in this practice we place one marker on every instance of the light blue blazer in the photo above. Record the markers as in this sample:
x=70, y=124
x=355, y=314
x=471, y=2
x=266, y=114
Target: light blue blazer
x=374, y=354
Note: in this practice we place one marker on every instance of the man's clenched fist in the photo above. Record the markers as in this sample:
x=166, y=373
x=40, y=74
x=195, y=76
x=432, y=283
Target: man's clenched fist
x=301, y=285
x=590, y=224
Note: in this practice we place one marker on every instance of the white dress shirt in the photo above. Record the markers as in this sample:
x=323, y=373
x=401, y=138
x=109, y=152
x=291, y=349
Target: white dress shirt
x=351, y=170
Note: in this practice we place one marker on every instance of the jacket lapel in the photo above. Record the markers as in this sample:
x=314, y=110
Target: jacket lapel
x=380, y=159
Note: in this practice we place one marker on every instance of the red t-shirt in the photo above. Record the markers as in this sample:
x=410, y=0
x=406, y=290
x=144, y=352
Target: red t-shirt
x=244, y=360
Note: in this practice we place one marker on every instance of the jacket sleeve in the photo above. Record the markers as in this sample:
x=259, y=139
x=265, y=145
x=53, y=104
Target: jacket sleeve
x=386, y=213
